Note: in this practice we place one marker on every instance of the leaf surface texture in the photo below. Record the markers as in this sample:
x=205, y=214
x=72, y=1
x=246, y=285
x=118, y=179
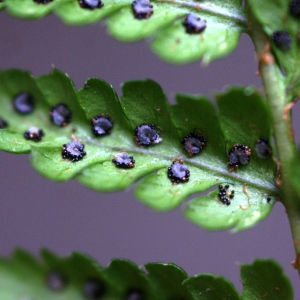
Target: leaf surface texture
x=144, y=102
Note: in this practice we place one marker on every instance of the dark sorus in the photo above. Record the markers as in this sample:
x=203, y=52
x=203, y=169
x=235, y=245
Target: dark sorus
x=142, y=9
x=3, y=123
x=91, y=4
x=282, y=40
x=42, y=1
x=145, y=135
x=34, y=134
x=60, y=115
x=23, y=103
x=123, y=160
x=178, y=172
x=101, y=124
x=134, y=295
x=295, y=8
x=225, y=194
x=239, y=155
x=93, y=289
x=55, y=281
x=263, y=148
x=193, y=24
x=193, y=143
x=73, y=151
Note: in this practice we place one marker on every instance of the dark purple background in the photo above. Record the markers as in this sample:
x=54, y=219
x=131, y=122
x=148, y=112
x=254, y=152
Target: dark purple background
x=38, y=213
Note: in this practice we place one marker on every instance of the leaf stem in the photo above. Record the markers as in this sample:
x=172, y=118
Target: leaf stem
x=276, y=97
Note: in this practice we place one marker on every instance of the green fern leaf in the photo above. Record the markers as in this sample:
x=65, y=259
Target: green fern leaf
x=265, y=279
x=2, y=5
x=80, y=277
x=225, y=21
x=145, y=102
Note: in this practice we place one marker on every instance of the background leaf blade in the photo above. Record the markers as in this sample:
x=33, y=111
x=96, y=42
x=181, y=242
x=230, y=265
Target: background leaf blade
x=265, y=278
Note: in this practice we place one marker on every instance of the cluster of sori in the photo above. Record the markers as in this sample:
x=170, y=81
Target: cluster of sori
x=282, y=38
x=193, y=143
x=193, y=24
x=123, y=160
x=144, y=135
x=143, y=9
x=73, y=151
x=92, y=288
x=225, y=194
x=178, y=172
x=24, y=104
x=91, y=4
x=101, y=125
x=240, y=154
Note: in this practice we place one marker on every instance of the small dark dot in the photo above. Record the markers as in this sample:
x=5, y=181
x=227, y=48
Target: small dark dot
x=263, y=148
x=134, y=295
x=142, y=9
x=295, y=8
x=93, y=289
x=101, y=124
x=42, y=1
x=34, y=134
x=123, y=160
x=269, y=199
x=193, y=143
x=282, y=40
x=178, y=172
x=23, y=103
x=60, y=115
x=239, y=155
x=91, y=4
x=145, y=135
x=194, y=24
x=3, y=123
x=56, y=281
x=73, y=151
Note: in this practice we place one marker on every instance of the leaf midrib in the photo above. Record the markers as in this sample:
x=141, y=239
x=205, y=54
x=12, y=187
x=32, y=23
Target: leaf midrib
x=210, y=8
x=270, y=188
